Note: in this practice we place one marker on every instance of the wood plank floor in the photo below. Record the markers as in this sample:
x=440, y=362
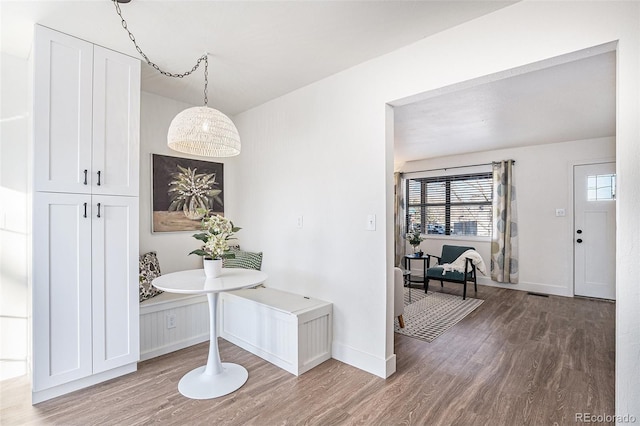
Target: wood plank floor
x=516, y=360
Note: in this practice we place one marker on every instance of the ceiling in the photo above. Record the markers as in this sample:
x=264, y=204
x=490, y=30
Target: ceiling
x=572, y=100
x=260, y=49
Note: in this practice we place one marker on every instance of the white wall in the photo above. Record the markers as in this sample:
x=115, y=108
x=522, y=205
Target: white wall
x=323, y=152
x=303, y=155
x=156, y=113
x=14, y=135
x=543, y=177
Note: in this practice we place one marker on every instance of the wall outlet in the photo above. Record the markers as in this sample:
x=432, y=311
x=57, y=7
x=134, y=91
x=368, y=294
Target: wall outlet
x=560, y=213
x=171, y=320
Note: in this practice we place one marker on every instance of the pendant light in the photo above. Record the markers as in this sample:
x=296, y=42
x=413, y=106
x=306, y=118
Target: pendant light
x=201, y=130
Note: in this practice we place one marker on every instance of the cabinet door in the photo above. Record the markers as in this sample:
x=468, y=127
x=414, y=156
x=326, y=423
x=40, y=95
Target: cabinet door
x=61, y=289
x=116, y=123
x=62, y=112
x=115, y=282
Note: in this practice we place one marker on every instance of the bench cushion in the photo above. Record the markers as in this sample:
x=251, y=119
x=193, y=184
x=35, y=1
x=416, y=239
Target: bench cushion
x=244, y=259
x=149, y=270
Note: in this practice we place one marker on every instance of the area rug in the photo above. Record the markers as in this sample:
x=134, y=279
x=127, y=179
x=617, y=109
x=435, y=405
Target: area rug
x=429, y=315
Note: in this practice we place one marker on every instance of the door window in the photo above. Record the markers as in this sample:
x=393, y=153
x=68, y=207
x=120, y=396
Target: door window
x=601, y=187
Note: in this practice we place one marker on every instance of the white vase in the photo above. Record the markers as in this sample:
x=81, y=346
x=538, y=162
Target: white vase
x=212, y=267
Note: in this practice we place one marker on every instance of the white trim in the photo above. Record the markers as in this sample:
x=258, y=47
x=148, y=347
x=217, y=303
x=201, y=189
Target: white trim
x=542, y=288
x=46, y=394
x=391, y=365
x=359, y=359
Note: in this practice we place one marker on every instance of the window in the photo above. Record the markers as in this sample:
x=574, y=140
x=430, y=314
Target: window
x=450, y=205
x=601, y=187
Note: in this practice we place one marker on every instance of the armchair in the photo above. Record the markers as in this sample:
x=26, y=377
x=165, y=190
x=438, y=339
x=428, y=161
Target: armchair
x=448, y=256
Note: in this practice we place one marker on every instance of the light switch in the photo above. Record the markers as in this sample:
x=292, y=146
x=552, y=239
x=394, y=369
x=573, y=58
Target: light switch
x=560, y=213
x=371, y=222
x=299, y=222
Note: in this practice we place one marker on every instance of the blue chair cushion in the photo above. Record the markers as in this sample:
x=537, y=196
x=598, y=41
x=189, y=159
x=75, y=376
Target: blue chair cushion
x=435, y=273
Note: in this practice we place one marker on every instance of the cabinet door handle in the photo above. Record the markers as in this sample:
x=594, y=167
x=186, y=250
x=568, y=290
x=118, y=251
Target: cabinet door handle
x=85, y=209
x=98, y=209
x=98, y=177
x=85, y=177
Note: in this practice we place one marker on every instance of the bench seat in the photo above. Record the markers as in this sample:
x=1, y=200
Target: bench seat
x=289, y=330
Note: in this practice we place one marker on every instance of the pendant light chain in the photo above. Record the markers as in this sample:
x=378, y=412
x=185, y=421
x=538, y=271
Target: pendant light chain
x=206, y=77
x=203, y=130
x=204, y=57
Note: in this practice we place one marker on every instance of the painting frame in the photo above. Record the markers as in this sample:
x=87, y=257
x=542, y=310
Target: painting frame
x=180, y=189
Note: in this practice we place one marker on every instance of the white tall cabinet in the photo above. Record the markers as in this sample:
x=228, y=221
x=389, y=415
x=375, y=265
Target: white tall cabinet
x=86, y=103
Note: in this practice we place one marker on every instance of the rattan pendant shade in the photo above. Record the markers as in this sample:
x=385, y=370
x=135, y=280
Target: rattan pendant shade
x=203, y=131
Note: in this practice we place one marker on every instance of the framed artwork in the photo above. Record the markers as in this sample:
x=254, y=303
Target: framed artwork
x=181, y=189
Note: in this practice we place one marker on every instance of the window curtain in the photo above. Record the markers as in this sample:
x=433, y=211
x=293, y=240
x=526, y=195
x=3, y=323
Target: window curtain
x=400, y=248
x=504, y=238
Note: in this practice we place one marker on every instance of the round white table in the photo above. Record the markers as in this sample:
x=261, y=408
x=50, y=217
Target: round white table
x=216, y=378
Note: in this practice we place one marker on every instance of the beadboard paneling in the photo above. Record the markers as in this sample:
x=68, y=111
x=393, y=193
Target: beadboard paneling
x=192, y=326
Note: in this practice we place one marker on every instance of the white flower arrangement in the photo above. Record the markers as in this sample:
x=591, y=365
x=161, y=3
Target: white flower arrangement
x=414, y=238
x=218, y=230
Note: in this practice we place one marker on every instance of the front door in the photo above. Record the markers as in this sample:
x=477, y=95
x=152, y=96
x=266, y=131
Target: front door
x=595, y=230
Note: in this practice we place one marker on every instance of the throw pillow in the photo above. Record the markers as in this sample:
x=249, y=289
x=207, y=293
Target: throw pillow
x=245, y=260
x=149, y=269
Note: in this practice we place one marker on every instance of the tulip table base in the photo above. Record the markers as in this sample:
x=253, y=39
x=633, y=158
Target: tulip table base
x=196, y=384
x=216, y=378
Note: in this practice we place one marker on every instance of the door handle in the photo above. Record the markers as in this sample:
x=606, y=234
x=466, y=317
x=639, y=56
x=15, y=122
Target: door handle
x=85, y=177
x=579, y=231
x=85, y=209
x=98, y=177
x=579, y=240
x=98, y=209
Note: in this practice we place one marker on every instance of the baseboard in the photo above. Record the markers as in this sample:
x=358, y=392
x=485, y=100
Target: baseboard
x=524, y=286
x=391, y=365
x=46, y=394
x=174, y=347
x=361, y=360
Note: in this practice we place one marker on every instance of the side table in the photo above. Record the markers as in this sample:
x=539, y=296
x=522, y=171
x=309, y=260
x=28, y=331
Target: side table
x=412, y=278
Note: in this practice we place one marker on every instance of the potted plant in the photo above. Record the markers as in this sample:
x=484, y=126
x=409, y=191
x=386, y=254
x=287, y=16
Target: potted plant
x=415, y=238
x=193, y=193
x=217, y=231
